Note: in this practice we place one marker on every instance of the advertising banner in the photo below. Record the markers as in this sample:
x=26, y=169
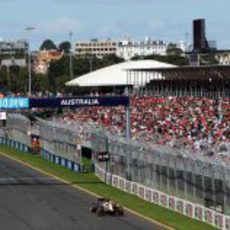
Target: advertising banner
x=121, y=184
x=3, y=116
x=155, y=197
x=163, y=199
x=14, y=103
x=199, y=213
x=227, y=223
x=115, y=181
x=219, y=220
x=134, y=189
x=180, y=206
x=189, y=210
x=172, y=203
x=54, y=102
x=128, y=186
x=208, y=216
x=141, y=192
x=148, y=193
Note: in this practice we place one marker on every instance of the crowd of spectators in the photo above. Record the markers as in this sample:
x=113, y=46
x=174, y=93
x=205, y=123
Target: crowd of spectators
x=200, y=125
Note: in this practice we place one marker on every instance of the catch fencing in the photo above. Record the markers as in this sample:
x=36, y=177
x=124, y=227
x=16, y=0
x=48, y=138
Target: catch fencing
x=177, y=174
x=182, y=206
x=199, y=179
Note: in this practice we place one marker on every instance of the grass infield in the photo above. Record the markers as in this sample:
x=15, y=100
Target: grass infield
x=91, y=183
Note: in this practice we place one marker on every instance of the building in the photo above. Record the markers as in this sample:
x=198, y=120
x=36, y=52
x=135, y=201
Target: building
x=223, y=57
x=12, y=62
x=43, y=59
x=14, y=48
x=119, y=74
x=200, y=42
x=95, y=48
x=128, y=49
x=13, y=53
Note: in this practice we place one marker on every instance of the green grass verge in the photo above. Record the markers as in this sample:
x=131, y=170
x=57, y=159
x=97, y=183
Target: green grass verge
x=93, y=184
x=85, y=161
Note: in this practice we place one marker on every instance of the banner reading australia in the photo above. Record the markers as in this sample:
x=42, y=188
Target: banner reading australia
x=78, y=101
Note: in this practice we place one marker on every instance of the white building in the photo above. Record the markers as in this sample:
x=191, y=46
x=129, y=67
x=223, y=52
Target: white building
x=223, y=57
x=117, y=74
x=128, y=49
x=18, y=47
x=13, y=52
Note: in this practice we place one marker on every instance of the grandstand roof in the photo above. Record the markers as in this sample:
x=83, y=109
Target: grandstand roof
x=115, y=75
x=191, y=73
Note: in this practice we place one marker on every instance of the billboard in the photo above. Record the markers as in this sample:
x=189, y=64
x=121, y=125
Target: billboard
x=53, y=102
x=78, y=101
x=14, y=103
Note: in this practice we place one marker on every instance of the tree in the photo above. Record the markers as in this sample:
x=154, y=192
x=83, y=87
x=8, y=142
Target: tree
x=65, y=46
x=40, y=83
x=111, y=59
x=23, y=79
x=172, y=49
x=48, y=45
x=171, y=59
x=82, y=65
x=14, y=70
x=208, y=59
x=58, y=69
x=4, y=79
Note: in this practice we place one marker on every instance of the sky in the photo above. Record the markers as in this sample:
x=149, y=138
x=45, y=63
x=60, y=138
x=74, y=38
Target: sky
x=168, y=20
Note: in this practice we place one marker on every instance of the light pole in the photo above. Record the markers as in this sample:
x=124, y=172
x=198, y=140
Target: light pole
x=70, y=56
x=28, y=29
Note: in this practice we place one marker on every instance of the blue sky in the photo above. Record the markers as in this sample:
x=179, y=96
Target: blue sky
x=168, y=20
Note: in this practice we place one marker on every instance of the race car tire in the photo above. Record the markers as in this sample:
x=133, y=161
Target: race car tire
x=100, y=212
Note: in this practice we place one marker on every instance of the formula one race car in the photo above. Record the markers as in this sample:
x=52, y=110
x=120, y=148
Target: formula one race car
x=102, y=156
x=104, y=206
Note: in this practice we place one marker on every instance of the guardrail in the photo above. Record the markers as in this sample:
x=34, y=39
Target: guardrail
x=184, y=207
x=49, y=156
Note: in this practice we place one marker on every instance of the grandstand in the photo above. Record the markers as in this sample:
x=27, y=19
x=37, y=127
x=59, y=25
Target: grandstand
x=203, y=81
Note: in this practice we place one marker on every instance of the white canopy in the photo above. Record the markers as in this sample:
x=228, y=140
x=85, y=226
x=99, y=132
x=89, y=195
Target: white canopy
x=115, y=75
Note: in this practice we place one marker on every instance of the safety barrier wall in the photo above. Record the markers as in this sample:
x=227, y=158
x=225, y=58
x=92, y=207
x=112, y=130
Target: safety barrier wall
x=46, y=154
x=182, y=206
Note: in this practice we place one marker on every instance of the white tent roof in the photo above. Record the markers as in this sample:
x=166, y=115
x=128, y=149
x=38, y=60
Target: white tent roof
x=115, y=75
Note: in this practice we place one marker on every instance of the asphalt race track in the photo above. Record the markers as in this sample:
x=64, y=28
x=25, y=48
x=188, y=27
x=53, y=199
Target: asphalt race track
x=32, y=201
